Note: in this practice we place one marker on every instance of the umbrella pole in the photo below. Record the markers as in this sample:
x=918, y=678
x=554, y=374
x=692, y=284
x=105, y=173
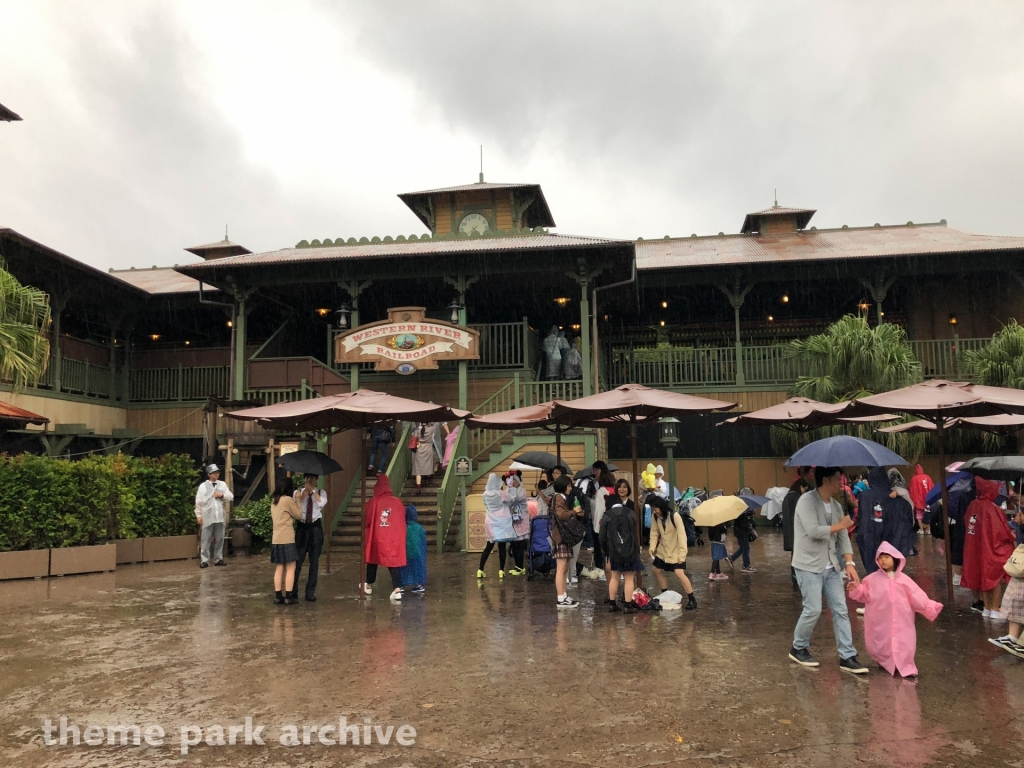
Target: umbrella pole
x=327, y=535
x=940, y=435
x=362, y=519
x=558, y=444
x=636, y=482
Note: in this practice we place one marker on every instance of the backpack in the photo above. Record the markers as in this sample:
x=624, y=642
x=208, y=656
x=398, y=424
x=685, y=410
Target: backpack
x=691, y=531
x=621, y=538
x=571, y=530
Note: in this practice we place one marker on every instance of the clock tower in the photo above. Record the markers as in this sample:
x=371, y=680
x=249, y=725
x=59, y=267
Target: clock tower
x=481, y=208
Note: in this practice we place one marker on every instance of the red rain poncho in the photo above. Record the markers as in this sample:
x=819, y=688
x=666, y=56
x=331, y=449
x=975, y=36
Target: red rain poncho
x=988, y=540
x=385, y=527
x=919, y=486
x=890, y=605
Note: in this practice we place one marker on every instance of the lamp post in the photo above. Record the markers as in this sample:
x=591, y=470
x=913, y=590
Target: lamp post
x=669, y=437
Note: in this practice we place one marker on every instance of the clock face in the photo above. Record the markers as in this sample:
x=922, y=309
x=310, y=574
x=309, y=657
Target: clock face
x=473, y=222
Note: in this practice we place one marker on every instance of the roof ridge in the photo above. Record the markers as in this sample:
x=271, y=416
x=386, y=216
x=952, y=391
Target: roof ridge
x=843, y=228
x=376, y=240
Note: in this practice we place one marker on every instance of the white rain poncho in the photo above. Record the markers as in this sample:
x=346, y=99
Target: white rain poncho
x=516, y=496
x=210, y=508
x=498, y=520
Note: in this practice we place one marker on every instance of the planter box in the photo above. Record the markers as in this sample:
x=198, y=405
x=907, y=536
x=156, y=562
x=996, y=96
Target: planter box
x=170, y=548
x=69, y=560
x=129, y=551
x=28, y=564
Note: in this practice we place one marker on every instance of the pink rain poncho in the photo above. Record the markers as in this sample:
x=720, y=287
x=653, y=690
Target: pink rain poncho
x=890, y=604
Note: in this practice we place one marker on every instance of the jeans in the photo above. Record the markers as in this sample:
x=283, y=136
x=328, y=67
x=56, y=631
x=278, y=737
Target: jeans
x=812, y=585
x=381, y=446
x=213, y=543
x=309, y=540
x=743, y=550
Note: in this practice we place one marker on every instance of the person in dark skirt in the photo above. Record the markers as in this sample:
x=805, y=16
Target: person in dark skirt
x=283, y=552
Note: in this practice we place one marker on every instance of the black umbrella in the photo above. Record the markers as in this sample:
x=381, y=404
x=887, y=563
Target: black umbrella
x=588, y=471
x=996, y=467
x=539, y=459
x=308, y=463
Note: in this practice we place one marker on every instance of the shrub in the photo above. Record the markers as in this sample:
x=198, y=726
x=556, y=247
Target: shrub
x=47, y=502
x=260, y=523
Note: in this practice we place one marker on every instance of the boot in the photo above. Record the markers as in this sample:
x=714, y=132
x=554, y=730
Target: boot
x=691, y=602
x=278, y=598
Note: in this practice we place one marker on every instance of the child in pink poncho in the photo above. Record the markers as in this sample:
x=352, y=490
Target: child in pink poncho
x=891, y=598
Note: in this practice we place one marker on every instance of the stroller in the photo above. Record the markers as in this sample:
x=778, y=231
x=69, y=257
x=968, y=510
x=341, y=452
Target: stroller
x=540, y=557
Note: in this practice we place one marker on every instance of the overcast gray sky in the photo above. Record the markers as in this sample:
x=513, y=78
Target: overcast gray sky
x=149, y=126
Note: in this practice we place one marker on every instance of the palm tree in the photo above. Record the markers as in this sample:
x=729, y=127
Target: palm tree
x=24, y=321
x=849, y=360
x=1001, y=362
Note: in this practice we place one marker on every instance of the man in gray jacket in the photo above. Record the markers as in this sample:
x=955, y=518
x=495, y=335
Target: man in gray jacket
x=821, y=556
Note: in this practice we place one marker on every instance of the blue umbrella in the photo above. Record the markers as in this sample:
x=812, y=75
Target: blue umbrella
x=754, y=501
x=951, y=479
x=844, y=451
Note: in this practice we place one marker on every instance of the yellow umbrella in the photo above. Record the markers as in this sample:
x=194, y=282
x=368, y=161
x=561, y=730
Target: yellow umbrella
x=718, y=510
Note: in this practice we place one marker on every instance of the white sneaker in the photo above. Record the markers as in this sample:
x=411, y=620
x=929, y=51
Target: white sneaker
x=367, y=589
x=986, y=613
x=956, y=579
x=997, y=616
x=860, y=611
x=396, y=596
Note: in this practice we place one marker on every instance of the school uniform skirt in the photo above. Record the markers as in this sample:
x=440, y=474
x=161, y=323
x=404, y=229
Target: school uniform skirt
x=283, y=553
x=1013, y=601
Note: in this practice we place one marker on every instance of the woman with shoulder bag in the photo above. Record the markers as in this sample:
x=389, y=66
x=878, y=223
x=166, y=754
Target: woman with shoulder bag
x=566, y=532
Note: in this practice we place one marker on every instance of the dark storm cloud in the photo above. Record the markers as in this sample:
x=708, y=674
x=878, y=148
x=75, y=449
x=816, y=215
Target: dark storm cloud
x=867, y=111
x=132, y=163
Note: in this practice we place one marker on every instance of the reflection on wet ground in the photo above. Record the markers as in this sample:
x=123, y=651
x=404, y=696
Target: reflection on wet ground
x=489, y=673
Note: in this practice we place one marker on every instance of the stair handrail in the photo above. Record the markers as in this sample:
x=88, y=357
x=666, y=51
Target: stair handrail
x=449, y=490
x=499, y=401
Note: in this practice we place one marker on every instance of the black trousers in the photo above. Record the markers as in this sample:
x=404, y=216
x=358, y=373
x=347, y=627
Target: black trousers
x=396, y=575
x=309, y=540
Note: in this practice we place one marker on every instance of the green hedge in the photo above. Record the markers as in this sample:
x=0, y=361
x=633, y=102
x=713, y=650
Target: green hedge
x=260, y=522
x=47, y=502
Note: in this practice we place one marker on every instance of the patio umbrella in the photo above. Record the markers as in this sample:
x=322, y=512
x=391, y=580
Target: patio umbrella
x=996, y=467
x=527, y=417
x=1002, y=423
x=798, y=414
x=631, y=404
x=308, y=463
x=351, y=410
x=718, y=510
x=938, y=401
x=844, y=451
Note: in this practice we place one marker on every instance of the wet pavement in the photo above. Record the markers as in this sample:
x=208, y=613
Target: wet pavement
x=489, y=674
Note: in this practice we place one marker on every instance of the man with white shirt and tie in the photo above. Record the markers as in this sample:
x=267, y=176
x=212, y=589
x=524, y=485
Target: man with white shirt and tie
x=309, y=534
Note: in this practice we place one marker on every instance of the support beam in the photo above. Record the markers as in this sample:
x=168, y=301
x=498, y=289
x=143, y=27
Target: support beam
x=240, y=361
x=736, y=295
x=878, y=288
x=354, y=288
x=588, y=358
x=461, y=283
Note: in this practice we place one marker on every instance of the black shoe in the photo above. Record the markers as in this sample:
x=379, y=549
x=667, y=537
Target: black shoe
x=609, y=601
x=613, y=607
x=220, y=562
x=629, y=607
x=310, y=598
x=278, y=598
x=978, y=607
x=802, y=657
x=691, y=603
x=853, y=666
x=289, y=600
x=204, y=565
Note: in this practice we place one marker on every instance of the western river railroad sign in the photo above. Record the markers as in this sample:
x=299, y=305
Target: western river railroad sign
x=407, y=342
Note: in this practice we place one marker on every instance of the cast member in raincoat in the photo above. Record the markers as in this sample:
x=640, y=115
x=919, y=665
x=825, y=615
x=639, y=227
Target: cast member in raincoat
x=920, y=484
x=414, y=574
x=891, y=598
x=988, y=544
x=384, y=519
x=882, y=517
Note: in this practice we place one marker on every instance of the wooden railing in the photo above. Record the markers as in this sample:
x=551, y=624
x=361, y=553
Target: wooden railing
x=504, y=345
x=533, y=392
x=481, y=441
x=401, y=460
x=449, y=490
x=282, y=395
x=181, y=383
x=943, y=358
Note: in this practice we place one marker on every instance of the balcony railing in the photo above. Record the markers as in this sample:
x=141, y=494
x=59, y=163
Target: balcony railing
x=763, y=366
x=153, y=385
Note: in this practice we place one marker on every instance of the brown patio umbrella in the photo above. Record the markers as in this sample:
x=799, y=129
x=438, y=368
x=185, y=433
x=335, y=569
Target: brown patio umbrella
x=1003, y=424
x=798, y=414
x=631, y=404
x=351, y=410
x=939, y=401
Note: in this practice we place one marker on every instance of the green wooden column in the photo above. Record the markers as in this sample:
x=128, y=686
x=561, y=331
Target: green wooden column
x=588, y=360
x=461, y=284
x=736, y=295
x=354, y=288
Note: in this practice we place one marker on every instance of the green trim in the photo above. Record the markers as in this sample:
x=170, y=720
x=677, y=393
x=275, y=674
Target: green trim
x=484, y=466
x=454, y=235
x=449, y=490
x=346, y=500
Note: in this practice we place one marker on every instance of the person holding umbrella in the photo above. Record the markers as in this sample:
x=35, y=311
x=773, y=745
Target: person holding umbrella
x=309, y=534
x=822, y=555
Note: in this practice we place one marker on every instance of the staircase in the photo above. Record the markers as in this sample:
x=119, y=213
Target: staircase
x=346, y=537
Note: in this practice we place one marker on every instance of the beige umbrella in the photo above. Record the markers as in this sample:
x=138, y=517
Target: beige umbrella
x=720, y=509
